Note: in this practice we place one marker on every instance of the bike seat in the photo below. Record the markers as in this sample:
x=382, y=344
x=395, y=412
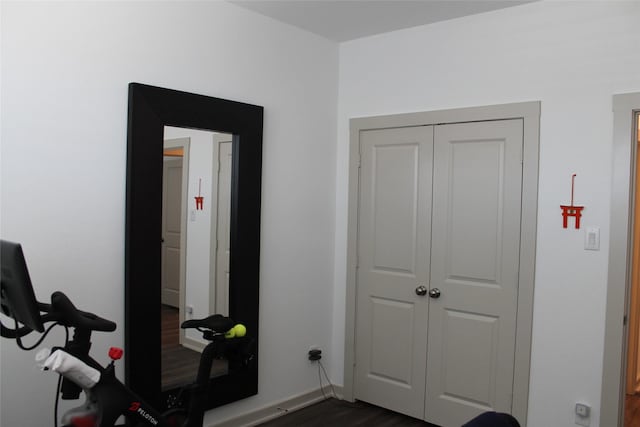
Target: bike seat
x=215, y=323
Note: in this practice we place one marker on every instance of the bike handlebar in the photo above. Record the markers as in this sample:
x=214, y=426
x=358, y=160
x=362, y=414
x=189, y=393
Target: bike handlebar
x=14, y=333
x=63, y=311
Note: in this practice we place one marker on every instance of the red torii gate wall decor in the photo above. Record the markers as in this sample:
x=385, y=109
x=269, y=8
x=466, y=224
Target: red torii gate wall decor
x=571, y=210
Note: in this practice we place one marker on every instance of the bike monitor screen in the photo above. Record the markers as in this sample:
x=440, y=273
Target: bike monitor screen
x=16, y=297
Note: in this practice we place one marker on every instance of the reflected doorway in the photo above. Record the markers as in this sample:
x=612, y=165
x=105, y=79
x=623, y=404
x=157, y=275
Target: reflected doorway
x=196, y=209
x=174, y=177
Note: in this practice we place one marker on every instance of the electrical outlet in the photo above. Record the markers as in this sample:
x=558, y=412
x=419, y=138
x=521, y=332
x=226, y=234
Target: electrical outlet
x=583, y=414
x=314, y=354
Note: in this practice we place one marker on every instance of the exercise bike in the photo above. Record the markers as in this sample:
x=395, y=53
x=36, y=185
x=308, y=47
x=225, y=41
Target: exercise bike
x=106, y=398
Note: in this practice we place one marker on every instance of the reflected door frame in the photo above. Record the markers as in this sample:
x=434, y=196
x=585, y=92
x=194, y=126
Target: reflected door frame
x=220, y=225
x=183, y=143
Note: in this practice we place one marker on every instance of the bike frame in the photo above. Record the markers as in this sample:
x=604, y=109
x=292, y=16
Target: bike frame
x=108, y=398
x=113, y=399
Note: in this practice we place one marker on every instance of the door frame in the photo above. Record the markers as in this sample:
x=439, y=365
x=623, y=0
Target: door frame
x=529, y=112
x=625, y=107
x=185, y=144
x=214, y=286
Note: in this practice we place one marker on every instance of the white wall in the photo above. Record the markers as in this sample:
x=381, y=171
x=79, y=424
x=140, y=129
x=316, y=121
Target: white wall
x=65, y=70
x=572, y=56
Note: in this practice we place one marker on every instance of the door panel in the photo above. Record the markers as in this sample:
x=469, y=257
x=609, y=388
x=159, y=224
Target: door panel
x=463, y=380
x=386, y=364
x=393, y=254
x=474, y=263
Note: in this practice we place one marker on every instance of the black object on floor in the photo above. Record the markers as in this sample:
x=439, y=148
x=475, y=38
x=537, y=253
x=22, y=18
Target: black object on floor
x=493, y=419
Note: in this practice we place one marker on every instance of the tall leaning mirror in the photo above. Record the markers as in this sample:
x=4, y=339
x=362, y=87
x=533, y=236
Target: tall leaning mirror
x=192, y=236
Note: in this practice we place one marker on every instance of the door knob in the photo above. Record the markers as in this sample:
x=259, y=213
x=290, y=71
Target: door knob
x=421, y=290
x=434, y=293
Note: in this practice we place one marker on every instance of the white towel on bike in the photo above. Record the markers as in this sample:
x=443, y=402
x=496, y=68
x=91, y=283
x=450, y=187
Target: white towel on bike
x=72, y=368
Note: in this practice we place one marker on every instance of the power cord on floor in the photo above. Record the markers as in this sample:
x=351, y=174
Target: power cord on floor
x=332, y=397
x=320, y=371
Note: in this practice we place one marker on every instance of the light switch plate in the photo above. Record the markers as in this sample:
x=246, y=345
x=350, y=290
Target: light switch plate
x=592, y=238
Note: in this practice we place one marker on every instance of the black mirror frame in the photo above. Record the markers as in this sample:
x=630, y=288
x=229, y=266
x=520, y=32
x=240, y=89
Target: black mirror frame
x=150, y=109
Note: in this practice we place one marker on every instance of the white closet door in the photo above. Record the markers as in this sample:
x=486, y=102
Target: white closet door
x=474, y=266
x=393, y=258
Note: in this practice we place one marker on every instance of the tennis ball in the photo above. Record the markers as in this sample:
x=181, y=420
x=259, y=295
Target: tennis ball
x=231, y=333
x=240, y=330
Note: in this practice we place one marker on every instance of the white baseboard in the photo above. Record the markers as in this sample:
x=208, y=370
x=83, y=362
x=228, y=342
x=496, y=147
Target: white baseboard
x=194, y=345
x=278, y=409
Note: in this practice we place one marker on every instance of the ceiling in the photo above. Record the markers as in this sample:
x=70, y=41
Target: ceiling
x=343, y=20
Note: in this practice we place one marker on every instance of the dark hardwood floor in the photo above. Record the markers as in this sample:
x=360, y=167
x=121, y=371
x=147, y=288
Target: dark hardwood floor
x=338, y=413
x=632, y=411
x=179, y=365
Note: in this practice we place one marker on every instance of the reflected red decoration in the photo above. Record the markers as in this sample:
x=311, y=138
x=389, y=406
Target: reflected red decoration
x=199, y=198
x=199, y=202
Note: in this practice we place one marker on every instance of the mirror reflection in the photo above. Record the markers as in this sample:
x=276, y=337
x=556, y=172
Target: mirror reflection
x=196, y=206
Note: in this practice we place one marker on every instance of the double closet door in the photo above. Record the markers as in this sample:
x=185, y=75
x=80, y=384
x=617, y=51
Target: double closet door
x=437, y=272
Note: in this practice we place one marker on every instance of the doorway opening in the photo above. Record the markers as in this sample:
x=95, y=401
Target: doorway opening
x=196, y=212
x=632, y=377
x=625, y=171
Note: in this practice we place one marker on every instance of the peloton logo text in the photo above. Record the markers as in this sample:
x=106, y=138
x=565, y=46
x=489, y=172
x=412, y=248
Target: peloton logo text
x=135, y=407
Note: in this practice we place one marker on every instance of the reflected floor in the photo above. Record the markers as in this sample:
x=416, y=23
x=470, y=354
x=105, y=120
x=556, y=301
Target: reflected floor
x=179, y=364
